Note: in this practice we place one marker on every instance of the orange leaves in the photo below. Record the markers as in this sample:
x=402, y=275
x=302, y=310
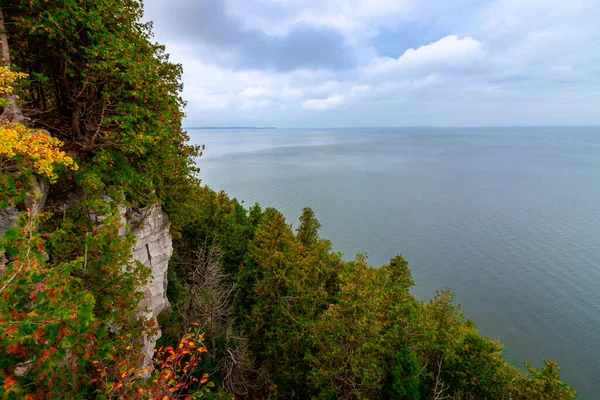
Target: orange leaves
x=39, y=335
x=17, y=350
x=174, y=367
x=10, y=381
x=38, y=287
x=63, y=332
x=11, y=329
x=166, y=374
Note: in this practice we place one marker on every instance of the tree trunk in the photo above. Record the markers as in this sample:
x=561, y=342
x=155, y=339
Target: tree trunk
x=4, y=41
x=75, y=127
x=11, y=112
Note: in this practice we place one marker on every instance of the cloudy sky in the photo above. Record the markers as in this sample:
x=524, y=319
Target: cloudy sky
x=328, y=63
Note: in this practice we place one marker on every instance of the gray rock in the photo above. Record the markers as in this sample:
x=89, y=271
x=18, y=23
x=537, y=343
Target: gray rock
x=36, y=197
x=8, y=219
x=34, y=201
x=153, y=248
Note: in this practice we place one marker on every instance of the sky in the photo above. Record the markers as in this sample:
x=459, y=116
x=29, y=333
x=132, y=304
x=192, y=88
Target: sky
x=343, y=63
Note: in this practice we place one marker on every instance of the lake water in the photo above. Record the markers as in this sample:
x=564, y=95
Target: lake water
x=507, y=218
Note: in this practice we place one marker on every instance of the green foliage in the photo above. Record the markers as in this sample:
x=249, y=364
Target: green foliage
x=45, y=314
x=308, y=231
x=477, y=367
x=107, y=89
x=62, y=310
x=544, y=384
x=319, y=327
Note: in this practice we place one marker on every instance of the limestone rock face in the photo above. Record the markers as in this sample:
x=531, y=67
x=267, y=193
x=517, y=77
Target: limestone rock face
x=37, y=196
x=34, y=201
x=8, y=219
x=153, y=248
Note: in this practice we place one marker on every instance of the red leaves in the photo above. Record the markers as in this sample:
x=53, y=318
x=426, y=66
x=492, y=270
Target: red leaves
x=52, y=294
x=9, y=382
x=17, y=350
x=63, y=332
x=38, y=288
x=11, y=329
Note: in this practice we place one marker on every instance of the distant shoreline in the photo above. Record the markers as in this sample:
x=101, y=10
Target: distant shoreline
x=231, y=127
x=394, y=127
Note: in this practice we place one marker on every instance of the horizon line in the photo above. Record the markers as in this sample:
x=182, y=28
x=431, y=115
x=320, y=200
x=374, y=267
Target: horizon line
x=394, y=127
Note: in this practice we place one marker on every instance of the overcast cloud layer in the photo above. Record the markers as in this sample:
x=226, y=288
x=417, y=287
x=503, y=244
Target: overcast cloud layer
x=327, y=63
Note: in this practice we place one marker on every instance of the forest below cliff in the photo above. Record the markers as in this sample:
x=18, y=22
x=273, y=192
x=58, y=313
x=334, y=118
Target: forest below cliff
x=91, y=131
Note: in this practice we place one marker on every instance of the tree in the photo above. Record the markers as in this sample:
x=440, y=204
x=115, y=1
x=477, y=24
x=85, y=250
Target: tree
x=10, y=109
x=308, y=231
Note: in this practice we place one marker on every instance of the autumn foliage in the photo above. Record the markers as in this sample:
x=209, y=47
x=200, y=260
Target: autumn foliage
x=33, y=149
x=102, y=126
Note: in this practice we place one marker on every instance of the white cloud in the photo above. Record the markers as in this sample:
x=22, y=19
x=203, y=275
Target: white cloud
x=253, y=104
x=251, y=92
x=448, y=49
x=448, y=52
x=329, y=103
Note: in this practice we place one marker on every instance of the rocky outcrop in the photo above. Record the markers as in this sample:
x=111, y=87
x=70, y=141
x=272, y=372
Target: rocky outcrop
x=153, y=248
x=8, y=219
x=37, y=196
x=34, y=201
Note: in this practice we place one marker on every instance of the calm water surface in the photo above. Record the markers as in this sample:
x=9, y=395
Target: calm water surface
x=508, y=219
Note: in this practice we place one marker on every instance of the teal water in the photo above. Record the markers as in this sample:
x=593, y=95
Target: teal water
x=507, y=218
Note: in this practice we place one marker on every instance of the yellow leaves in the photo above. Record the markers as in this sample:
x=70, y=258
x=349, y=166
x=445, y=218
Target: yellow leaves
x=167, y=373
x=39, y=151
x=8, y=79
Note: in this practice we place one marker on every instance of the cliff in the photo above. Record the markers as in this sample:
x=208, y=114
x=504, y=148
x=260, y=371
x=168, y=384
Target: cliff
x=153, y=248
